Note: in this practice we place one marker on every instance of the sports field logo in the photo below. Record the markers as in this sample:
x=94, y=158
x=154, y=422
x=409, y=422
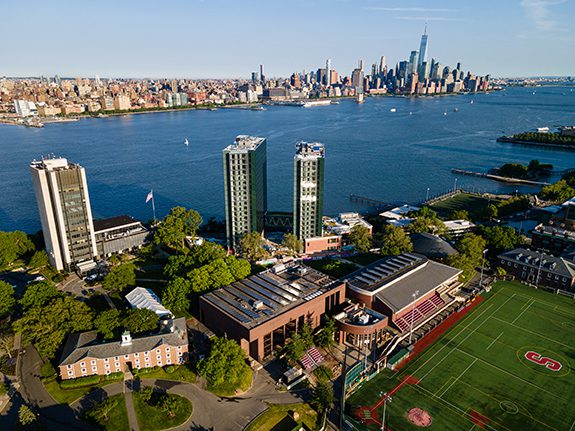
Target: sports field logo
x=544, y=361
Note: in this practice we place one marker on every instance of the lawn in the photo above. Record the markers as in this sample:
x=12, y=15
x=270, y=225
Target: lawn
x=230, y=389
x=481, y=371
x=276, y=414
x=117, y=417
x=473, y=204
x=152, y=418
x=182, y=373
x=68, y=396
x=365, y=259
x=332, y=267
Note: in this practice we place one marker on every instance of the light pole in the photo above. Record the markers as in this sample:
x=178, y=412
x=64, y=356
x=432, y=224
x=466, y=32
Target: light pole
x=427, y=195
x=482, y=265
x=385, y=399
x=455, y=185
x=414, y=296
x=540, y=266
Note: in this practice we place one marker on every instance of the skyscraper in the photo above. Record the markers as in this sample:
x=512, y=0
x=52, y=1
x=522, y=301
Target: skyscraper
x=245, y=185
x=413, y=62
x=423, y=48
x=308, y=189
x=262, y=76
x=64, y=203
x=328, y=72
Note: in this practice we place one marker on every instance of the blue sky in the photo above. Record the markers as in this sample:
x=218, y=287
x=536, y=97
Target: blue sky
x=230, y=38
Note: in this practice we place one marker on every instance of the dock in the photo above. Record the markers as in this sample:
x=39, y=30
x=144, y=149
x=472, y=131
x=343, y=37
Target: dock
x=507, y=180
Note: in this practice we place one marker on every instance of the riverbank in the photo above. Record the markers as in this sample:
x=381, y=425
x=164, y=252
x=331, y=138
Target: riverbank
x=508, y=180
x=512, y=140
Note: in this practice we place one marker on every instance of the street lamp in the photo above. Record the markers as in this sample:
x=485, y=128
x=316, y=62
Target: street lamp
x=414, y=296
x=427, y=195
x=482, y=265
x=385, y=400
x=455, y=184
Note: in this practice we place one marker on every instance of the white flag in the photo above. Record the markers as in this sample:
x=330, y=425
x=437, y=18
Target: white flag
x=150, y=196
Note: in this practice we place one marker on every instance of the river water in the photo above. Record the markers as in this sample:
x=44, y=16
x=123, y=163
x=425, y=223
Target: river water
x=370, y=151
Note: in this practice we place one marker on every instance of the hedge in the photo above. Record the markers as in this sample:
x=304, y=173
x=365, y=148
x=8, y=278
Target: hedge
x=114, y=376
x=80, y=382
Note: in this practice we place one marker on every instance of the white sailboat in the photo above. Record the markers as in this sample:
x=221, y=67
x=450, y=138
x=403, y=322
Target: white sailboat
x=186, y=142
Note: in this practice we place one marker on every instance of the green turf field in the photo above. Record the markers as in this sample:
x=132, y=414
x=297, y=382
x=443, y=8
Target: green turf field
x=463, y=201
x=480, y=365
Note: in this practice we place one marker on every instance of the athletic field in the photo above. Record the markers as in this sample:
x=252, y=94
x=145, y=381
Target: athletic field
x=507, y=365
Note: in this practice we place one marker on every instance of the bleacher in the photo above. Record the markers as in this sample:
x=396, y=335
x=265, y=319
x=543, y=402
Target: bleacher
x=312, y=358
x=423, y=310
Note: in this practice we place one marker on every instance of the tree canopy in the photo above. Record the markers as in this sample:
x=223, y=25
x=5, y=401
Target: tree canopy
x=470, y=248
x=225, y=363
x=47, y=326
x=501, y=238
x=199, y=255
x=460, y=215
x=426, y=220
x=140, y=320
x=39, y=260
x=252, y=246
x=7, y=299
x=558, y=192
x=176, y=294
x=218, y=273
x=292, y=243
x=395, y=241
x=120, y=277
x=39, y=294
x=178, y=224
x=108, y=322
x=13, y=246
x=360, y=238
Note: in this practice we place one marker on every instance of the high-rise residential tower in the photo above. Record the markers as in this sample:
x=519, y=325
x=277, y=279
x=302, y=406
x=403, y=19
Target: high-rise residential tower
x=65, y=212
x=308, y=189
x=423, y=48
x=328, y=72
x=245, y=184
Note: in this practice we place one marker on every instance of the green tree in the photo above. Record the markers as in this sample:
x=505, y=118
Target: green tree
x=426, y=220
x=295, y=348
x=325, y=337
x=39, y=260
x=513, y=170
x=463, y=262
x=472, y=246
x=140, y=320
x=460, y=215
x=500, y=272
x=199, y=255
x=178, y=224
x=176, y=294
x=252, y=246
x=239, y=268
x=47, y=326
x=558, y=192
x=39, y=294
x=7, y=299
x=169, y=405
x=26, y=416
x=292, y=243
x=114, y=260
x=491, y=212
x=120, y=277
x=360, y=238
x=146, y=393
x=225, y=363
x=500, y=238
x=306, y=335
x=13, y=246
x=108, y=322
x=211, y=276
x=322, y=397
x=395, y=241
x=101, y=411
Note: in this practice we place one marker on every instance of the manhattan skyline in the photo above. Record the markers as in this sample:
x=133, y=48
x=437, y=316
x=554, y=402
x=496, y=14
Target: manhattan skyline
x=515, y=38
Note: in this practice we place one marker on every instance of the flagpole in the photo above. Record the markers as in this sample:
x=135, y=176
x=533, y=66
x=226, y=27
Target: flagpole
x=154, y=205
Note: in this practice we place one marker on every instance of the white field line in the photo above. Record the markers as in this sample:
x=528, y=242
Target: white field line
x=494, y=341
x=509, y=373
x=570, y=347
x=462, y=341
x=572, y=426
x=562, y=308
x=458, y=377
x=529, y=304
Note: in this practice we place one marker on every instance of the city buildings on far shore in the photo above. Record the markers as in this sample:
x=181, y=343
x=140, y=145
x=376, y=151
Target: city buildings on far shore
x=245, y=187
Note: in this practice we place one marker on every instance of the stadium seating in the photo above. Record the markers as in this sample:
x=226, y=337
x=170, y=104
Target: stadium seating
x=423, y=310
x=311, y=358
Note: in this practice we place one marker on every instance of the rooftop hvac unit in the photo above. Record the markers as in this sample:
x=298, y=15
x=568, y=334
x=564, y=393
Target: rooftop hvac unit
x=363, y=319
x=257, y=305
x=278, y=268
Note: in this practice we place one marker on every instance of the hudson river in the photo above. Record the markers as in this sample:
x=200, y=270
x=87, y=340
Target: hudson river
x=370, y=151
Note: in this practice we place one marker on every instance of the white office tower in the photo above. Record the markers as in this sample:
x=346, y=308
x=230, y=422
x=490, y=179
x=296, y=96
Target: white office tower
x=65, y=212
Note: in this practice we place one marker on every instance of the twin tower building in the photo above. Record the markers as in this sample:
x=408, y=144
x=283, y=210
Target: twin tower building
x=245, y=183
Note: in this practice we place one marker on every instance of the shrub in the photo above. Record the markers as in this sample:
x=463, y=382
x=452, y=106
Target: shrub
x=80, y=382
x=170, y=369
x=148, y=370
x=114, y=376
x=47, y=371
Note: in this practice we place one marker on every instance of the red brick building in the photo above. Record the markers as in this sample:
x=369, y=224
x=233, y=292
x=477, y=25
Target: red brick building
x=262, y=311
x=84, y=356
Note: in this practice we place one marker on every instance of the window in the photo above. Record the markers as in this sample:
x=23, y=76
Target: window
x=94, y=369
x=93, y=362
x=107, y=360
x=126, y=356
x=168, y=361
x=117, y=364
x=159, y=358
x=107, y=366
x=82, y=364
x=83, y=371
x=70, y=373
x=108, y=371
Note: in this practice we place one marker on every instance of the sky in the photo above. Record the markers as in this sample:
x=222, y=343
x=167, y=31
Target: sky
x=230, y=38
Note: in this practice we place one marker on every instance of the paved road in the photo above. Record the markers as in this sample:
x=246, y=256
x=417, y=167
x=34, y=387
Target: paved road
x=55, y=416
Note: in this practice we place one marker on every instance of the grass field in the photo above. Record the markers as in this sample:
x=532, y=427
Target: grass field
x=479, y=368
x=474, y=204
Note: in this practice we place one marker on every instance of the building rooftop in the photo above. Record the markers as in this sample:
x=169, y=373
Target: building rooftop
x=536, y=260
x=311, y=150
x=342, y=225
x=399, y=212
x=458, y=224
x=431, y=246
x=245, y=143
x=114, y=222
x=52, y=163
x=144, y=298
x=395, y=279
x=261, y=297
x=85, y=345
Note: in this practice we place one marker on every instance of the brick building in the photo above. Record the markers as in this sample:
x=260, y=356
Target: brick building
x=262, y=311
x=84, y=356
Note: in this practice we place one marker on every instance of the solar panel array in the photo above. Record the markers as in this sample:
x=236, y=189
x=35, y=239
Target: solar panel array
x=261, y=296
x=380, y=271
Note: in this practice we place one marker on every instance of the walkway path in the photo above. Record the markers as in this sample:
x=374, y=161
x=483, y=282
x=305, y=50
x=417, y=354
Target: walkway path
x=128, y=387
